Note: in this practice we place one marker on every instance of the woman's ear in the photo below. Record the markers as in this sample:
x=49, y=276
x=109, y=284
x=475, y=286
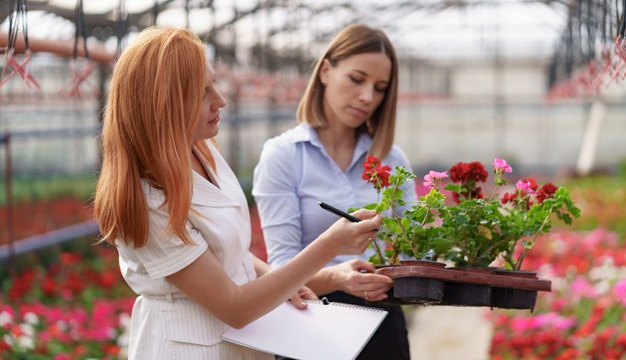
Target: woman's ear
x=323, y=74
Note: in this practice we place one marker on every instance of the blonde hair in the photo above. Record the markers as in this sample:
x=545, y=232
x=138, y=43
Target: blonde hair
x=353, y=40
x=152, y=109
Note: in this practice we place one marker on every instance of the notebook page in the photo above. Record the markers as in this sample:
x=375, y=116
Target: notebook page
x=336, y=331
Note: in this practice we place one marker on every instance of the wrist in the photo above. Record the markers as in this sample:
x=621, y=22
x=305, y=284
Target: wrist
x=328, y=245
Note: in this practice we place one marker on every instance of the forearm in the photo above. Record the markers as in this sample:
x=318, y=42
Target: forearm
x=323, y=282
x=206, y=281
x=259, y=297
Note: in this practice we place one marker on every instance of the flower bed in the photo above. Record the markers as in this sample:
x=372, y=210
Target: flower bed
x=78, y=308
x=583, y=318
x=39, y=216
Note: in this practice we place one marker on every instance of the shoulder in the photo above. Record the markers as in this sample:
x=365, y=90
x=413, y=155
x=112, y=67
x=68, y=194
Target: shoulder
x=397, y=157
x=286, y=143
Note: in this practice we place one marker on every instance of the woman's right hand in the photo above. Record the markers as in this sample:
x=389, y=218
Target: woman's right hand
x=348, y=238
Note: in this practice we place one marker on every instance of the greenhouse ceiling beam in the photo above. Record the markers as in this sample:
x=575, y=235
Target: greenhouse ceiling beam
x=92, y=20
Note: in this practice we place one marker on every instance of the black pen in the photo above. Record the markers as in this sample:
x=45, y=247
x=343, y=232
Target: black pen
x=338, y=212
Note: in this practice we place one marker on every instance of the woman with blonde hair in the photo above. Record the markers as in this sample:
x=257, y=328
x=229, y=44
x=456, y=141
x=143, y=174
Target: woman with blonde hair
x=176, y=213
x=347, y=113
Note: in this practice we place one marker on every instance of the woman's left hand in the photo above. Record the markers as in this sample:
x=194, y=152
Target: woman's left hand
x=303, y=293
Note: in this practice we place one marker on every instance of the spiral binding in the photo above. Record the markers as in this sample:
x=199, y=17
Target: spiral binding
x=325, y=301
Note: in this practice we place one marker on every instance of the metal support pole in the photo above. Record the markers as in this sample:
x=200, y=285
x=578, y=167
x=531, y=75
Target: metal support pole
x=9, y=201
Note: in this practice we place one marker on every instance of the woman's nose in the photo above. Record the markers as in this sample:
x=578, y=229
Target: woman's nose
x=366, y=95
x=219, y=102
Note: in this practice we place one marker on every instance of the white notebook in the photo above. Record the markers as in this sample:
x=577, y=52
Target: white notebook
x=336, y=331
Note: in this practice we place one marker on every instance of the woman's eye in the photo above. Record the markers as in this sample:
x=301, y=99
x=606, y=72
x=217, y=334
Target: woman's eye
x=355, y=80
x=380, y=90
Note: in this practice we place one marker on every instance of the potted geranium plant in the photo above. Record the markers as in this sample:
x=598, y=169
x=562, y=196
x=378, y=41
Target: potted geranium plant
x=476, y=229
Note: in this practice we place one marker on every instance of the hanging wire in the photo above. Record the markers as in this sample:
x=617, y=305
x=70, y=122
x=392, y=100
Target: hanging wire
x=81, y=30
x=121, y=26
x=79, y=74
x=155, y=12
x=18, y=10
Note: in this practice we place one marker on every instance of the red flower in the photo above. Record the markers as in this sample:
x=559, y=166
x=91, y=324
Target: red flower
x=48, y=286
x=468, y=174
x=70, y=258
x=547, y=191
x=375, y=173
x=464, y=172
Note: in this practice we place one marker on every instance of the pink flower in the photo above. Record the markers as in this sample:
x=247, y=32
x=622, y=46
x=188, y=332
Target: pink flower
x=580, y=287
x=524, y=186
x=620, y=291
x=522, y=324
x=500, y=166
x=554, y=320
x=434, y=178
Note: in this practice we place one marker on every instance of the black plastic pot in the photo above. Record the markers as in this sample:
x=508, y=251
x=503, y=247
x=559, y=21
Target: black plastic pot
x=416, y=290
x=508, y=298
x=466, y=294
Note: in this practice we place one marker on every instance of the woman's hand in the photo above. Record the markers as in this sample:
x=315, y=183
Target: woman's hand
x=303, y=293
x=357, y=277
x=348, y=238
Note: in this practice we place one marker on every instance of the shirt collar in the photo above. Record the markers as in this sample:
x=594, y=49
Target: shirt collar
x=306, y=133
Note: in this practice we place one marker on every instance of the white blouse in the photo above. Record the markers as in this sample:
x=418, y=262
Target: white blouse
x=166, y=324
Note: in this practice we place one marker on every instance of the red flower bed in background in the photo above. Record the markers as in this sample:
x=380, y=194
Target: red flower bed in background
x=37, y=217
x=583, y=318
x=76, y=309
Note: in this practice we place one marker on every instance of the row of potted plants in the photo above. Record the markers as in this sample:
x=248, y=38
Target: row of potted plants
x=472, y=232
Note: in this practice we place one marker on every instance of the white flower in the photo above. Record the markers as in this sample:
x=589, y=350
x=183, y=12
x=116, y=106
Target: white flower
x=8, y=339
x=27, y=329
x=26, y=342
x=5, y=318
x=125, y=321
x=31, y=318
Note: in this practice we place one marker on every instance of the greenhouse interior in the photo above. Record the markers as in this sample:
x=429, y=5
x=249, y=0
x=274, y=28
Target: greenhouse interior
x=523, y=101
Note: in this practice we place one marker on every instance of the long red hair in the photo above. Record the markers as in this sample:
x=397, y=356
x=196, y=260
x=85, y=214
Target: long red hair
x=151, y=111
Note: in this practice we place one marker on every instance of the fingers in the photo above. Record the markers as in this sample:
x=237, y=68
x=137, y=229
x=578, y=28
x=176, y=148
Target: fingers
x=306, y=293
x=376, y=296
x=298, y=302
x=365, y=279
x=364, y=214
x=359, y=265
x=370, y=225
x=370, y=294
x=303, y=293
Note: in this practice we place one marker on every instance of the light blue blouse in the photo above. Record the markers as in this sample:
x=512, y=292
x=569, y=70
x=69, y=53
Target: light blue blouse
x=294, y=173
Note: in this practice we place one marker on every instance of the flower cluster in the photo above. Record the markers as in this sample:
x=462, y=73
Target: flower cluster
x=583, y=317
x=477, y=229
x=78, y=308
x=375, y=173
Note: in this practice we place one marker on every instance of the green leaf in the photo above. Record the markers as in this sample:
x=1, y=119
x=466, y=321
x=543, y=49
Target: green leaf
x=454, y=188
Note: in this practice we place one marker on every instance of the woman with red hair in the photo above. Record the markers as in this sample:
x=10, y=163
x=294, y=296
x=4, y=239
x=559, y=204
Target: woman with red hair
x=176, y=213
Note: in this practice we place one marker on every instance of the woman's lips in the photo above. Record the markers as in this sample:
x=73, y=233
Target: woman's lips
x=215, y=119
x=358, y=111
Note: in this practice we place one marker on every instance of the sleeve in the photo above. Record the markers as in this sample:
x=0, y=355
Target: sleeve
x=165, y=254
x=275, y=193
